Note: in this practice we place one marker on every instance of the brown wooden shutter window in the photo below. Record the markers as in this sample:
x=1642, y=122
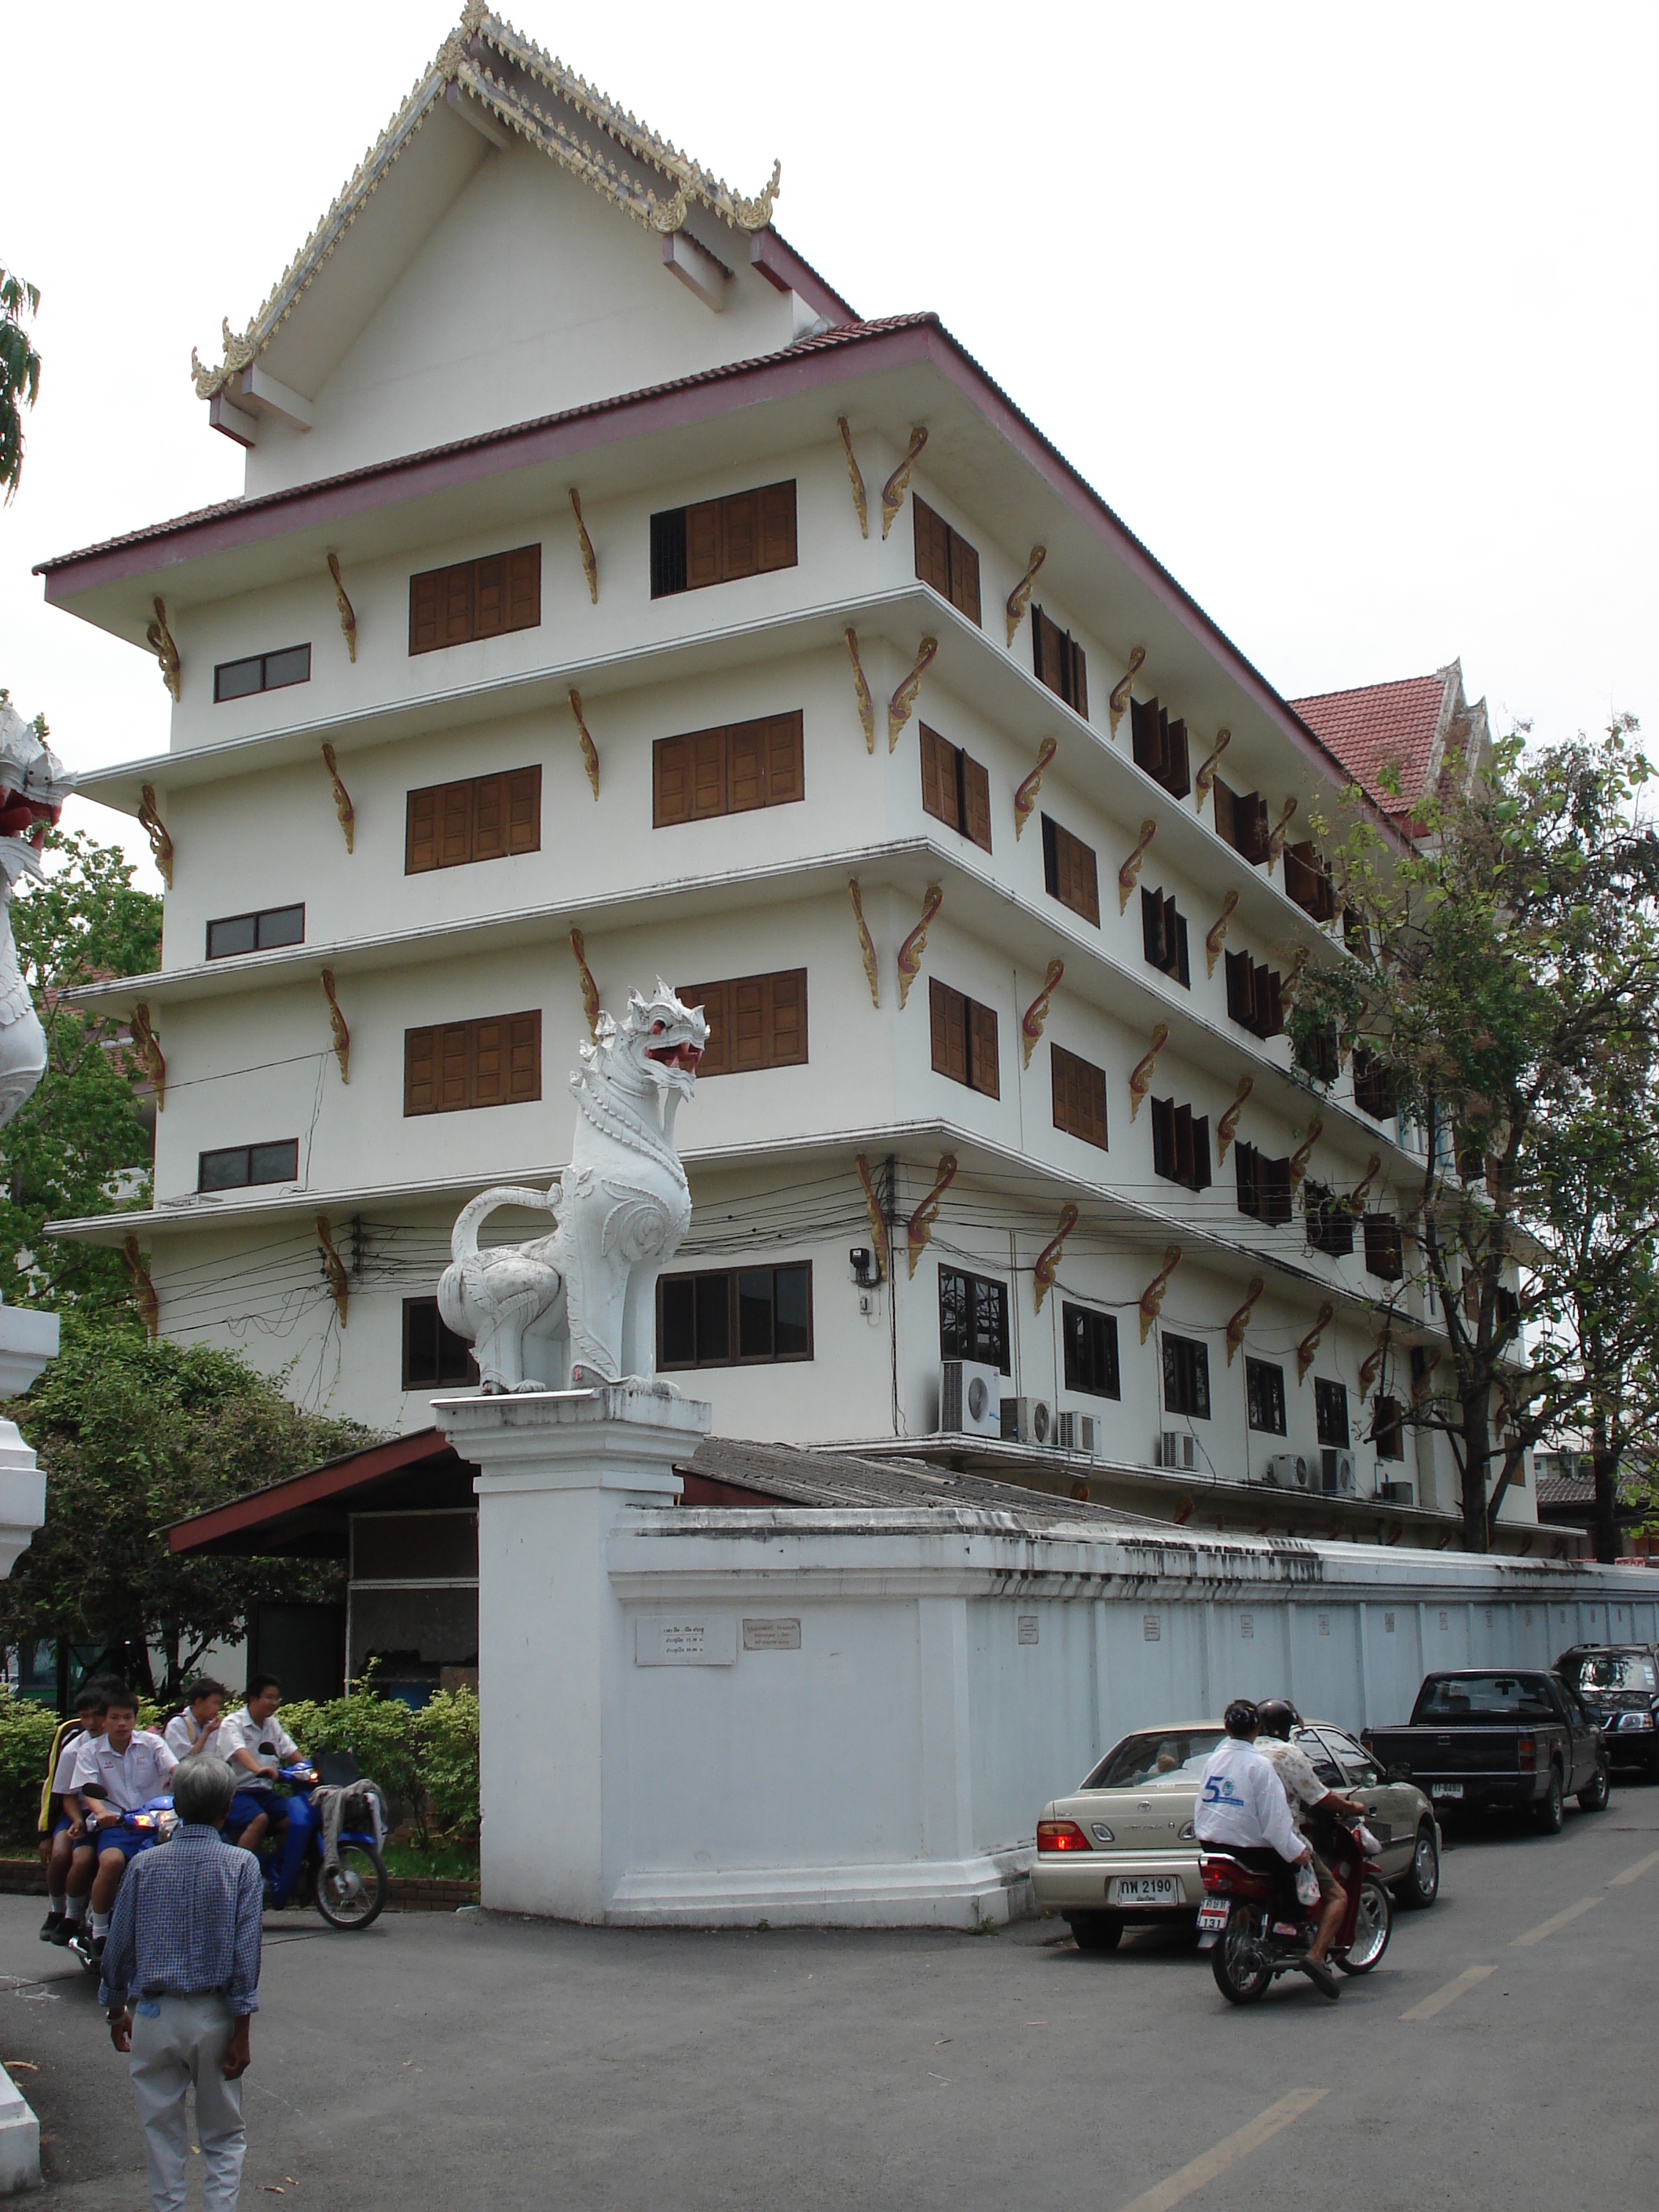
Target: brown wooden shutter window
x=495, y=1061
x=486, y=818
x=955, y=789
x=1181, y=1143
x=474, y=599
x=946, y=561
x=720, y=541
x=964, y=1039
x=1160, y=746
x=1384, y=1249
x=1079, y=1096
x=1070, y=872
x=754, y=1022
x=1059, y=662
x=732, y=770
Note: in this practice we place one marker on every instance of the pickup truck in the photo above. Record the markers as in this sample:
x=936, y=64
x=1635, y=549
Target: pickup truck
x=1487, y=1738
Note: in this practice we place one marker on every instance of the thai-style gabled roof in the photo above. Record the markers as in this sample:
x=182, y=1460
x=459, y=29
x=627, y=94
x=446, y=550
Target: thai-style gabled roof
x=1398, y=740
x=472, y=58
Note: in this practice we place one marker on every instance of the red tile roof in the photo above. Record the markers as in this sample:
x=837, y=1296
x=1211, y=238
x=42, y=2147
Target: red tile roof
x=1378, y=726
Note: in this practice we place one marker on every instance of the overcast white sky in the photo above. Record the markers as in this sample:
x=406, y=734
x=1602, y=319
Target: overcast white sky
x=1349, y=313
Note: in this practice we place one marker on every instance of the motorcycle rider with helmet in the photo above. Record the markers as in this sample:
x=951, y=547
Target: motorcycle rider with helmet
x=1242, y=1809
x=1307, y=1793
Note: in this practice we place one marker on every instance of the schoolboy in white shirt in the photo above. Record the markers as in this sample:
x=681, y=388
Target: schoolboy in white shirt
x=256, y=1745
x=63, y=1819
x=194, y=1732
x=115, y=1773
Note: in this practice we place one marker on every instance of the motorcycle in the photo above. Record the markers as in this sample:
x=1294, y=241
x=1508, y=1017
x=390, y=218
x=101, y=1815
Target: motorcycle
x=352, y=1893
x=155, y=1820
x=1256, y=1928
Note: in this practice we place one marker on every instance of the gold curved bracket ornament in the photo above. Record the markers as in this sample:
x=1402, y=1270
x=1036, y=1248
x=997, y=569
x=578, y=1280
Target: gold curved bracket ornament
x=1216, y=933
x=1131, y=868
x=893, y=491
x=333, y=1268
x=584, y=543
x=899, y=706
x=590, y=989
x=910, y=952
x=1281, y=831
x=1020, y=598
x=336, y=1022
x=1048, y=1259
x=1204, y=779
x=1152, y=1298
x=861, y=692
x=155, y=829
x=1421, y=1382
x=1362, y=1190
x=1140, y=1076
x=1309, y=1343
x=348, y=617
x=158, y=638
x=589, y=751
x=1371, y=1366
x=878, y=1227
x=855, y=477
x=1118, y=705
x=1304, y=1151
x=1240, y=1321
x=865, y=947
x=343, y=805
x=155, y=1067
x=1031, y=1021
x=1025, y=792
x=919, y=1227
x=1292, y=975
x=143, y=1291
x=1227, y=1127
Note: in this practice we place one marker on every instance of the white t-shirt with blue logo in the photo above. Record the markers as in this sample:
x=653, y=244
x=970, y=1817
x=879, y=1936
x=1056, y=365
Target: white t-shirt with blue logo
x=1242, y=1802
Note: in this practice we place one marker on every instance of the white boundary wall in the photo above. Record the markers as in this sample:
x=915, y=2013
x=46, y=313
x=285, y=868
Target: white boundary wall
x=706, y=1717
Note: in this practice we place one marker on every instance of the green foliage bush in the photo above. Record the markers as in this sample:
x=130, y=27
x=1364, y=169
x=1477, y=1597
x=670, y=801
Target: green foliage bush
x=426, y=1760
x=26, y=1733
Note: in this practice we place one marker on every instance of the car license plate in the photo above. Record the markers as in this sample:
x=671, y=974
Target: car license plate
x=1445, y=1790
x=1147, y=1889
x=1212, y=1915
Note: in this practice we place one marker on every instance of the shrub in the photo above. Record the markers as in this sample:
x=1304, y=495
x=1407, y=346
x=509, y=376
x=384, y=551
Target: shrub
x=426, y=1760
x=26, y=1733
x=446, y=1737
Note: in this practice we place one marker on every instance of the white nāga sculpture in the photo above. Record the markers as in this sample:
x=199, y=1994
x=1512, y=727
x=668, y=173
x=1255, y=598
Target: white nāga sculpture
x=33, y=785
x=580, y=1304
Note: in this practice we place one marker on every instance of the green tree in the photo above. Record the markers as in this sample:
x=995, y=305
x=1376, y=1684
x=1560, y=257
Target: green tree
x=1504, y=971
x=133, y=1435
x=79, y=1146
x=19, y=375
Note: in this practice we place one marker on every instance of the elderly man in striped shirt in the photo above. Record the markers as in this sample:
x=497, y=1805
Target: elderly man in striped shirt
x=180, y=1986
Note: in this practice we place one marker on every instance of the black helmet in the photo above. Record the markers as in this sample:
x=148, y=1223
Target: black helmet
x=1278, y=1716
x=1240, y=1717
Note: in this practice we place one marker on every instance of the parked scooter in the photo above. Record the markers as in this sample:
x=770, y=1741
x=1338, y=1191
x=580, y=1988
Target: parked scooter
x=1256, y=1928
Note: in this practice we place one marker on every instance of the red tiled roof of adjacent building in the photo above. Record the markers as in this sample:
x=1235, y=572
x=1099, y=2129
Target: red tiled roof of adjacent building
x=1378, y=726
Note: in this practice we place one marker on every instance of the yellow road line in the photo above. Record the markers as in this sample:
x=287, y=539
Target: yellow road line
x=1548, y=1927
x=1634, y=1873
x=1450, y=1995
x=1228, y=2152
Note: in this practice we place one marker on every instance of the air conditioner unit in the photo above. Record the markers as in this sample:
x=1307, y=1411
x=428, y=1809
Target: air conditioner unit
x=1397, y=1494
x=1291, y=1470
x=1178, y=1448
x=1078, y=1432
x=1028, y=1421
x=1337, y=1472
x=969, y=1399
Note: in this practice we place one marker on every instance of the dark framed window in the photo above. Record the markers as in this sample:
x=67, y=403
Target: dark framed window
x=1254, y=995
x=1307, y=881
x=1079, y=1089
x=1181, y=1143
x=495, y=1061
x=1373, y=1084
x=946, y=560
x=1264, y=1392
x=1241, y=821
x=1330, y=1220
x=262, y=672
x=955, y=788
x=963, y=1039
x=1331, y=1412
x=1070, y=873
x=256, y=933
x=731, y=770
x=1187, y=1378
x=475, y=599
x=735, y=1316
x=1388, y=1428
x=1160, y=746
x=1164, y=936
x=481, y=817
x=1060, y=662
x=1264, y=1184
x=1315, y=1052
x=236, y=1167
x=1090, y=1352
x=720, y=541
x=1384, y=1247
x=754, y=1022
x=433, y=1356
x=973, y=1318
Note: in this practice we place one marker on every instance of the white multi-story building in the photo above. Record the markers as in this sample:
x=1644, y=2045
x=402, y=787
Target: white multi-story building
x=601, y=580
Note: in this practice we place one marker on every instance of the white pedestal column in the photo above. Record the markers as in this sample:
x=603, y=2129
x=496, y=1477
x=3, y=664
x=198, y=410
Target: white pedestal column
x=556, y=1471
x=27, y=1341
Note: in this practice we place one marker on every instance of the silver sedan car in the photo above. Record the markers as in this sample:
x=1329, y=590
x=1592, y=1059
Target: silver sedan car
x=1120, y=1849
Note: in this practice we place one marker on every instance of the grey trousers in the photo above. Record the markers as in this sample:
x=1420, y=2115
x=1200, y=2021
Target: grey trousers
x=176, y=2042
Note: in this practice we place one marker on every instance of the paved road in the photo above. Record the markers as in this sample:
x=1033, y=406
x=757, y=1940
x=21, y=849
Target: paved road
x=464, y=2060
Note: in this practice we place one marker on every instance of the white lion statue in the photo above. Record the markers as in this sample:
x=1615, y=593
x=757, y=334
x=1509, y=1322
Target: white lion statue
x=33, y=785
x=579, y=1305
